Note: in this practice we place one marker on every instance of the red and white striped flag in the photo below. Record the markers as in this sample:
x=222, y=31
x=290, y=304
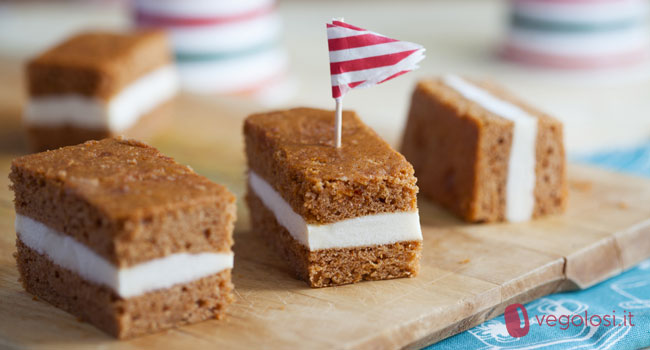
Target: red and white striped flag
x=361, y=58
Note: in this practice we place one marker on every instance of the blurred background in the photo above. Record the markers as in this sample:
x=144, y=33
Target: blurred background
x=599, y=88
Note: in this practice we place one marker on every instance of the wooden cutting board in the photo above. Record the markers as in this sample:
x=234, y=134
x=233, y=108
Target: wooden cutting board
x=469, y=272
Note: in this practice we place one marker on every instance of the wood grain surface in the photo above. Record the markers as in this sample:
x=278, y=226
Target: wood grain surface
x=469, y=272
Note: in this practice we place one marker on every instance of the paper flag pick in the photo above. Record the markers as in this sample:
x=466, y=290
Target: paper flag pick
x=361, y=58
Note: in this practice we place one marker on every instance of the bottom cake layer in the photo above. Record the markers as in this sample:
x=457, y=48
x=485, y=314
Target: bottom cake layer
x=181, y=304
x=331, y=267
x=48, y=137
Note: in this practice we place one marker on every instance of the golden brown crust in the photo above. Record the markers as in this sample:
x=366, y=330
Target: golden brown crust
x=293, y=151
x=43, y=138
x=460, y=152
x=181, y=304
x=332, y=267
x=97, y=64
x=442, y=144
x=124, y=200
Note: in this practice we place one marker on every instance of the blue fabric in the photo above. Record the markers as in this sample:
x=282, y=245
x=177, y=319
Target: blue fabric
x=628, y=293
x=634, y=161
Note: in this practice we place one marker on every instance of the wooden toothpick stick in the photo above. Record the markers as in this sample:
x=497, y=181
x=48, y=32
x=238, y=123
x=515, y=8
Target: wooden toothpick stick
x=339, y=121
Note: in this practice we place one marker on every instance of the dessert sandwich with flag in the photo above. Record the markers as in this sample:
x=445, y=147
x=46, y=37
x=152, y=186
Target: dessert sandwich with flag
x=333, y=198
x=484, y=154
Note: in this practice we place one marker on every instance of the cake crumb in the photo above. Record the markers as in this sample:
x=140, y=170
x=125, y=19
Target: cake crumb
x=622, y=205
x=582, y=186
x=466, y=261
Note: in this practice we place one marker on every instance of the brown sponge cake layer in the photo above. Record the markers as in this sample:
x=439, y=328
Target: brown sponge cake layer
x=124, y=200
x=97, y=64
x=331, y=267
x=460, y=152
x=293, y=151
x=551, y=188
x=199, y=300
x=444, y=146
x=42, y=138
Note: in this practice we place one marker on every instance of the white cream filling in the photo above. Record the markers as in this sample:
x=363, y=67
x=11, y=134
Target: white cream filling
x=117, y=114
x=127, y=282
x=356, y=232
x=520, y=188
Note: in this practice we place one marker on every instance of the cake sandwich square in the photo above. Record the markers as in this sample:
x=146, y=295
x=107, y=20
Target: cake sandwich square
x=122, y=236
x=484, y=154
x=336, y=216
x=98, y=84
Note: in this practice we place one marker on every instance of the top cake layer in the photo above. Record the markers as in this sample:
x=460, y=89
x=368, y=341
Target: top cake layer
x=451, y=97
x=97, y=64
x=124, y=200
x=294, y=151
